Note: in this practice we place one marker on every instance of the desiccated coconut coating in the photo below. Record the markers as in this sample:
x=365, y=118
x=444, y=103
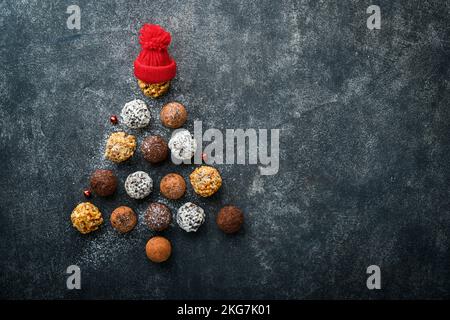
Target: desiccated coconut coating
x=120, y=146
x=138, y=185
x=86, y=217
x=158, y=216
x=182, y=145
x=190, y=217
x=135, y=114
x=205, y=180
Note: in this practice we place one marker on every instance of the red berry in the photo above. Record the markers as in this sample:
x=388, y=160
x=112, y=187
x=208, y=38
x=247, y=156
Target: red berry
x=113, y=119
x=87, y=193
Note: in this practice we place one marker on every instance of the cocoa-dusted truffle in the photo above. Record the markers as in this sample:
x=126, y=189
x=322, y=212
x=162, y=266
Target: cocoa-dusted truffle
x=138, y=185
x=205, y=180
x=173, y=115
x=158, y=216
x=86, y=217
x=103, y=182
x=230, y=219
x=172, y=186
x=120, y=146
x=154, y=149
x=190, y=217
x=158, y=249
x=123, y=219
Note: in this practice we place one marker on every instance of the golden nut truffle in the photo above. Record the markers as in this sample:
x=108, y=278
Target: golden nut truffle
x=86, y=217
x=205, y=180
x=154, y=90
x=120, y=146
x=123, y=219
x=158, y=249
x=173, y=115
x=172, y=186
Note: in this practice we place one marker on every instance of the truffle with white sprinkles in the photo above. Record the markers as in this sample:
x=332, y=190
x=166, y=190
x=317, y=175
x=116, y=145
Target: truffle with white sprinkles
x=138, y=185
x=135, y=114
x=182, y=145
x=190, y=217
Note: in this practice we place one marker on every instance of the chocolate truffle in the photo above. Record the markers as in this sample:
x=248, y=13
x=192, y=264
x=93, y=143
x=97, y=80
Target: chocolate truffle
x=182, y=145
x=103, y=182
x=86, y=217
x=138, y=185
x=172, y=186
x=120, y=146
x=173, y=115
x=190, y=217
x=154, y=149
x=158, y=249
x=135, y=114
x=205, y=180
x=230, y=219
x=123, y=219
x=158, y=216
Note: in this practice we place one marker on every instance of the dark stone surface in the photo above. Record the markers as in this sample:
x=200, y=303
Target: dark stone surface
x=364, y=161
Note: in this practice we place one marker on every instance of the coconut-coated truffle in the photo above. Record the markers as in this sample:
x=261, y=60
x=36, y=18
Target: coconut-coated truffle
x=173, y=115
x=154, y=149
x=135, y=114
x=158, y=216
x=138, y=185
x=182, y=145
x=230, y=219
x=190, y=217
x=205, y=180
x=120, y=146
x=172, y=186
x=158, y=249
x=86, y=217
x=103, y=182
x=123, y=219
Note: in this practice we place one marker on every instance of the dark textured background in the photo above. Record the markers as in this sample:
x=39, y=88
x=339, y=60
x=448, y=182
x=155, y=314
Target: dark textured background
x=365, y=155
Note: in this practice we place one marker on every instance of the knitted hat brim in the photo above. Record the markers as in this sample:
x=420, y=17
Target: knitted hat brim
x=155, y=74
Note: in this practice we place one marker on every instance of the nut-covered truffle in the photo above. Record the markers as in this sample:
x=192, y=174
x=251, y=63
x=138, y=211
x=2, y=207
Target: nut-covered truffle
x=86, y=217
x=230, y=219
x=190, y=217
x=158, y=249
x=120, y=146
x=103, y=182
x=182, y=145
x=154, y=149
x=173, y=115
x=135, y=114
x=123, y=219
x=138, y=185
x=154, y=90
x=158, y=216
x=172, y=186
x=205, y=180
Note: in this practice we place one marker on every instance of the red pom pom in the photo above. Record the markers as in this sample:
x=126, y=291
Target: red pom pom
x=154, y=37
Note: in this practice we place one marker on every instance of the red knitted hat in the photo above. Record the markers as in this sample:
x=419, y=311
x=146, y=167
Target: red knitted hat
x=153, y=64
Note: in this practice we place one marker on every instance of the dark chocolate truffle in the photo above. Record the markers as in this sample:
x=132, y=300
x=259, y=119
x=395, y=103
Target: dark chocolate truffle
x=154, y=149
x=123, y=219
x=103, y=182
x=230, y=219
x=172, y=186
x=158, y=249
x=173, y=115
x=158, y=216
